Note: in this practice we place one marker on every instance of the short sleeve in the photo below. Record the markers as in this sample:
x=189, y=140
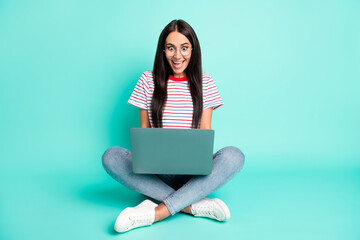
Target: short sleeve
x=138, y=96
x=211, y=95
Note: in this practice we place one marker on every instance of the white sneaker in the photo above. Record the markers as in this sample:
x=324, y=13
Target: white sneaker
x=211, y=208
x=133, y=217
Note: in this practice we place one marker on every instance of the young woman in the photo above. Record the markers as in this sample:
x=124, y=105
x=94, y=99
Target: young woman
x=176, y=94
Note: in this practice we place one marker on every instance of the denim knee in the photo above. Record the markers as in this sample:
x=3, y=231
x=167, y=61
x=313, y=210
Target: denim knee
x=112, y=157
x=233, y=158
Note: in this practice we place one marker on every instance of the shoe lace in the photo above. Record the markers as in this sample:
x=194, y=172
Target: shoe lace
x=207, y=210
x=140, y=218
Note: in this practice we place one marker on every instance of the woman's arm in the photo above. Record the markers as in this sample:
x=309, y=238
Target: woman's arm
x=206, y=118
x=144, y=119
x=204, y=124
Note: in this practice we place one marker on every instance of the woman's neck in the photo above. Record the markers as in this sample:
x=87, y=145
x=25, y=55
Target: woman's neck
x=179, y=75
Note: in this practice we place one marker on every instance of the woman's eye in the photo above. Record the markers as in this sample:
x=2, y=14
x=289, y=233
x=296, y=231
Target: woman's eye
x=184, y=48
x=170, y=48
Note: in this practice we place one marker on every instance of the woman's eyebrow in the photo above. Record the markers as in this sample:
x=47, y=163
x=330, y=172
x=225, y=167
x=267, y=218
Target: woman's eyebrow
x=180, y=44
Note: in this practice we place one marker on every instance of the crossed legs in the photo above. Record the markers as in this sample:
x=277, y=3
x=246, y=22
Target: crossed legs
x=175, y=192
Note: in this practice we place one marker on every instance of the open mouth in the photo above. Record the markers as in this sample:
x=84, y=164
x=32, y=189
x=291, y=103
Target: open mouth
x=177, y=64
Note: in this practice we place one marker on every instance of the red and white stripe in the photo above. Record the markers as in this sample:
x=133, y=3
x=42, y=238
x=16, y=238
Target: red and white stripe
x=178, y=108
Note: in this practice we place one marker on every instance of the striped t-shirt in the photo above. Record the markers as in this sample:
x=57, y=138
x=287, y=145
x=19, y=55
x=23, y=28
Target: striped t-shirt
x=178, y=109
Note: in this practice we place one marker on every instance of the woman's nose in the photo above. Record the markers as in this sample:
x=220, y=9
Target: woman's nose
x=177, y=53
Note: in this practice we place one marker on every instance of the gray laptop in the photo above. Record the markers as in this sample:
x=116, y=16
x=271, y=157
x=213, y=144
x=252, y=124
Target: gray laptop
x=172, y=151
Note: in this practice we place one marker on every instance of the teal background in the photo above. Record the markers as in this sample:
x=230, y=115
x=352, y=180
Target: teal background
x=288, y=72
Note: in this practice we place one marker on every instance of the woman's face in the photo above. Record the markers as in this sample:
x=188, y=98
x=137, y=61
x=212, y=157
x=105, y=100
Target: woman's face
x=178, y=53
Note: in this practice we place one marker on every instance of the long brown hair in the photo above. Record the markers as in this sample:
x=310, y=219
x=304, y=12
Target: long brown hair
x=162, y=71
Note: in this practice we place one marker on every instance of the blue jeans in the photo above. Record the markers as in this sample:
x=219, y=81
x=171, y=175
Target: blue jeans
x=176, y=191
